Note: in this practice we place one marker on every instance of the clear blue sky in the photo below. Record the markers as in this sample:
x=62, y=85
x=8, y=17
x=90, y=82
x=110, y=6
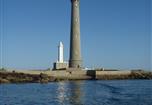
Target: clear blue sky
x=114, y=33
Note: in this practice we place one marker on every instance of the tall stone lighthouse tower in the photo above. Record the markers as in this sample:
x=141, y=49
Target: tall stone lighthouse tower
x=75, y=50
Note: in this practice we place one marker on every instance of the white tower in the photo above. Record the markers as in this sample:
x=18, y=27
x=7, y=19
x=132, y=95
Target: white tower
x=60, y=53
x=60, y=64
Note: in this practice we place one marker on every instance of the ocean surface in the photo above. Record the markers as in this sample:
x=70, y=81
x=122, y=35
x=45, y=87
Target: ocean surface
x=100, y=92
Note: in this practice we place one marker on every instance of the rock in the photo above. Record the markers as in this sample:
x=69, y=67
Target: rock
x=44, y=81
x=4, y=81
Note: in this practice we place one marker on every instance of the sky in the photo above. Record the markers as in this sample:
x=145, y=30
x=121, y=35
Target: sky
x=115, y=34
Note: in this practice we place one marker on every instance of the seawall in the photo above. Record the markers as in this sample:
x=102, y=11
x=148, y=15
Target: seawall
x=90, y=74
x=113, y=74
x=49, y=76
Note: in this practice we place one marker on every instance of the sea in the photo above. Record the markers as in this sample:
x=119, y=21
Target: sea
x=86, y=92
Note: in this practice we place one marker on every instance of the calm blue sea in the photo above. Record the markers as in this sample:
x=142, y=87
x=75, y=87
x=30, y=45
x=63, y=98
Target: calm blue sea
x=111, y=92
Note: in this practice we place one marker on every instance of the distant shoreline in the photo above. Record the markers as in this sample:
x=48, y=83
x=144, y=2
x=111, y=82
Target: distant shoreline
x=52, y=76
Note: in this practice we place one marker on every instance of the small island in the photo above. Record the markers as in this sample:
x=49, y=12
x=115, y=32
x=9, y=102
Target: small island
x=45, y=76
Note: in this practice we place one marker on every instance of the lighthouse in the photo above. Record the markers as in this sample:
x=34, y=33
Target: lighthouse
x=60, y=53
x=60, y=64
x=75, y=60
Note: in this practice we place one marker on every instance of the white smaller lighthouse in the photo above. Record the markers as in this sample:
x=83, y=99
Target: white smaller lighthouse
x=60, y=53
x=60, y=64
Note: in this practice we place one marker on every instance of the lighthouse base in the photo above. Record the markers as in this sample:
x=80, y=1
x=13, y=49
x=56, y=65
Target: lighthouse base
x=60, y=66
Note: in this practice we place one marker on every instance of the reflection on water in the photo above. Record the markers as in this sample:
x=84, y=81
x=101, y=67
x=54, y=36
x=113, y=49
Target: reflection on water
x=70, y=93
x=76, y=93
x=124, y=92
x=61, y=90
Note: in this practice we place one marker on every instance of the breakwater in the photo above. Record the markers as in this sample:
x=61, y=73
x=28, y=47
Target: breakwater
x=50, y=76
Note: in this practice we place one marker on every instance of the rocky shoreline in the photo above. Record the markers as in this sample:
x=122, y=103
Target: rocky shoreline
x=16, y=77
